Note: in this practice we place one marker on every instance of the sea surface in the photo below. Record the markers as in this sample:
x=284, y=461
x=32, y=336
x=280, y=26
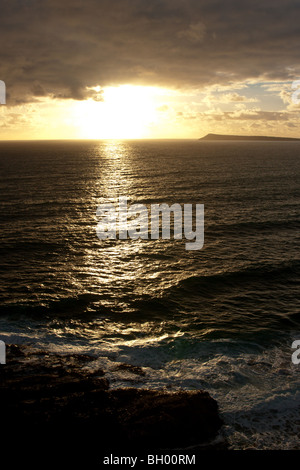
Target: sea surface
x=222, y=318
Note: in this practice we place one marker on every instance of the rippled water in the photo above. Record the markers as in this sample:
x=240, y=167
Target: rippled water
x=222, y=318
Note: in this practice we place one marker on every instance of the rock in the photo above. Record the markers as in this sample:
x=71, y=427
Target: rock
x=131, y=369
x=46, y=396
x=160, y=419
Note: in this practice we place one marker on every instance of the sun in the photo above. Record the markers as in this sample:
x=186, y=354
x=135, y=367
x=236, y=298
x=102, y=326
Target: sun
x=126, y=112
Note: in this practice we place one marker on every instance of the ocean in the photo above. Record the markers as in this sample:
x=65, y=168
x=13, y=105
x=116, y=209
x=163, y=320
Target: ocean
x=222, y=318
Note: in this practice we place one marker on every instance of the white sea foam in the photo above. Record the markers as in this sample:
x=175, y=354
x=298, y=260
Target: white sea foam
x=258, y=392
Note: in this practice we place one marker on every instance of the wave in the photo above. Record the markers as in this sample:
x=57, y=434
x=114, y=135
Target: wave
x=253, y=288
x=263, y=275
x=239, y=228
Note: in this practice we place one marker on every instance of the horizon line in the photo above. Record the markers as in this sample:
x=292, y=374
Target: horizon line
x=148, y=138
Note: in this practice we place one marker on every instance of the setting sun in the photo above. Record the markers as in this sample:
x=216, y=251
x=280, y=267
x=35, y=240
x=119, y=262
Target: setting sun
x=126, y=112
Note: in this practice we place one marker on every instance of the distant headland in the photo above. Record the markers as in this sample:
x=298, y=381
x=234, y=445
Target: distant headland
x=246, y=137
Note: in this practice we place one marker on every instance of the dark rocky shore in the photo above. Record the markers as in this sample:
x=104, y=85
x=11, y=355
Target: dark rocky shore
x=54, y=400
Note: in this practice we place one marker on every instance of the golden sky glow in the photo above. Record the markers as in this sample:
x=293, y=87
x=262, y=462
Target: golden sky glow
x=161, y=69
x=137, y=112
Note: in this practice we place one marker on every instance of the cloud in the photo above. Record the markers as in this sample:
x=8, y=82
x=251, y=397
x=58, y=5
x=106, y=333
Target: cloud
x=163, y=108
x=234, y=98
x=65, y=49
x=252, y=115
x=194, y=33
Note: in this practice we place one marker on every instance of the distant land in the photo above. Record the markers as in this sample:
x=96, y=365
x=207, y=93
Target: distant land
x=246, y=137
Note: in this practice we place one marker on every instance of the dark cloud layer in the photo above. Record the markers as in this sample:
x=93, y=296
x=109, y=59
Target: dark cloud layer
x=59, y=48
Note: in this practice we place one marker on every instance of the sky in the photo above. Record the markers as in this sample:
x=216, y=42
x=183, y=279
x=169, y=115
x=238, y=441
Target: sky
x=126, y=69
